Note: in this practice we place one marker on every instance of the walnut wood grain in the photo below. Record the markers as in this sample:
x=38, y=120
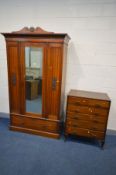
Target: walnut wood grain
x=89, y=95
x=53, y=67
x=86, y=117
x=87, y=114
x=85, y=133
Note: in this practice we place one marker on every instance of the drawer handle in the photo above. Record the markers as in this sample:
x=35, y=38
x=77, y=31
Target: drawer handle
x=75, y=125
x=95, y=121
x=93, y=128
x=97, y=106
x=77, y=103
x=75, y=117
x=76, y=111
x=96, y=114
x=90, y=110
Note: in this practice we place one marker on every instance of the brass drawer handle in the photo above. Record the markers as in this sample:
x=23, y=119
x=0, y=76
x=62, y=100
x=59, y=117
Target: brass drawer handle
x=90, y=110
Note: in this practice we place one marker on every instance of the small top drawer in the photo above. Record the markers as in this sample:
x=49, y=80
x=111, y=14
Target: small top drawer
x=88, y=102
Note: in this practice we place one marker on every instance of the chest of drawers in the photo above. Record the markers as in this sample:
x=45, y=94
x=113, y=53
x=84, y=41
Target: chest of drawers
x=87, y=114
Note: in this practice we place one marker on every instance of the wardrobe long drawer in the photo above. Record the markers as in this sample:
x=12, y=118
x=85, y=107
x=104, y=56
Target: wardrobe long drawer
x=88, y=102
x=87, y=110
x=85, y=132
x=87, y=117
x=86, y=124
x=34, y=123
x=41, y=125
x=17, y=121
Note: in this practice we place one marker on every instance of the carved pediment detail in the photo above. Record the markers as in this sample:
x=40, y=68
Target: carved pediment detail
x=36, y=30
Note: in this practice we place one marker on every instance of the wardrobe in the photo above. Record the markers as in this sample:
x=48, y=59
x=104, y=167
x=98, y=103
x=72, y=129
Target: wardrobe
x=36, y=62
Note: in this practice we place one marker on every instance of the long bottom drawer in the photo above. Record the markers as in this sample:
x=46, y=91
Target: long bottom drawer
x=84, y=132
x=34, y=123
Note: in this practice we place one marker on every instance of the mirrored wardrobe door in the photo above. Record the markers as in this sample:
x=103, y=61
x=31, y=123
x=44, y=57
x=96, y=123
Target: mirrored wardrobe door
x=33, y=79
x=32, y=76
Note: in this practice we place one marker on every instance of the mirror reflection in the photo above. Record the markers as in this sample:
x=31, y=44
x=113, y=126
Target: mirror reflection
x=33, y=80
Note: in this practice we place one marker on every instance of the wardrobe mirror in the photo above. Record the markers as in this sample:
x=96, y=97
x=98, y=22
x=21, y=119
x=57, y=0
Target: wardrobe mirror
x=33, y=79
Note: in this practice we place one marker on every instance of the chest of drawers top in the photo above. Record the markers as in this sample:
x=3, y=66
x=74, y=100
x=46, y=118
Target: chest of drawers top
x=88, y=95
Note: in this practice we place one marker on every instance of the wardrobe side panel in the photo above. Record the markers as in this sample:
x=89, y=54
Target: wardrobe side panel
x=13, y=76
x=54, y=72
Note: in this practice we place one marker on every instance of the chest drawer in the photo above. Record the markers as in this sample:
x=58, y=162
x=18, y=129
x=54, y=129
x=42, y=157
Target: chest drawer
x=87, y=110
x=96, y=118
x=88, y=102
x=85, y=132
x=96, y=126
